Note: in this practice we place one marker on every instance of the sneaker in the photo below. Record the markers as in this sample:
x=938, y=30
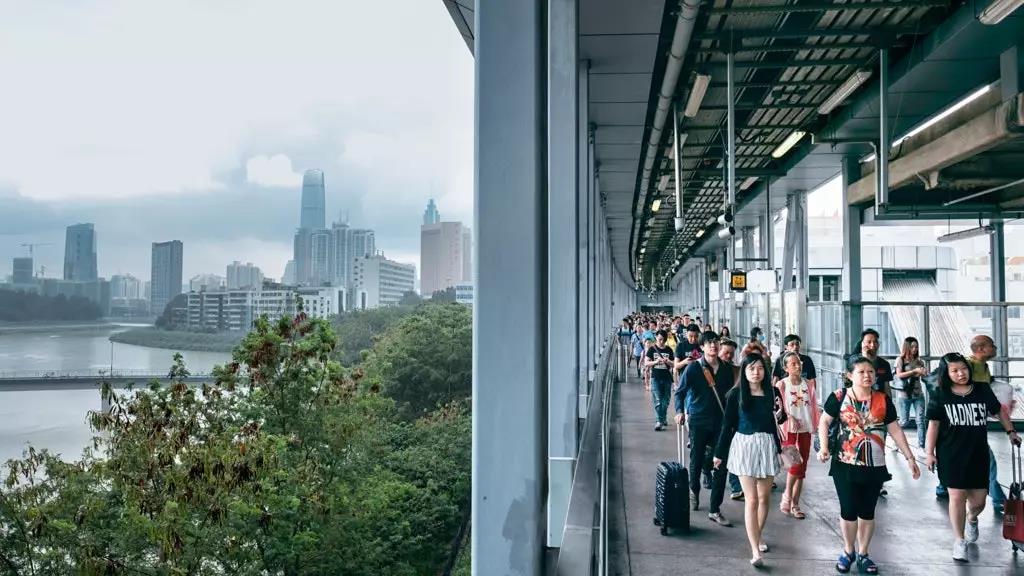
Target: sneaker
x=658, y=427
x=694, y=501
x=960, y=550
x=736, y=496
x=971, y=532
x=717, y=518
x=884, y=492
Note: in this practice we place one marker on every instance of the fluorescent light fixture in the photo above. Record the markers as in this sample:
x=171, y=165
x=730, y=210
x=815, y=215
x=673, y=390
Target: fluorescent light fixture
x=643, y=249
x=938, y=117
x=700, y=233
x=656, y=205
x=663, y=183
x=748, y=182
x=697, y=92
x=965, y=234
x=845, y=89
x=998, y=10
x=788, y=143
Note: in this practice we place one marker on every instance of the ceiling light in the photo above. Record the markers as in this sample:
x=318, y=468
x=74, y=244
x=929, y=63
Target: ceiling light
x=845, y=89
x=700, y=87
x=656, y=205
x=748, y=182
x=788, y=143
x=644, y=249
x=700, y=233
x=965, y=234
x=998, y=10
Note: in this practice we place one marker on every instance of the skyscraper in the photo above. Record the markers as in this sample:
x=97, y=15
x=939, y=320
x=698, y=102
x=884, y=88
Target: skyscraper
x=288, y=278
x=80, y=253
x=314, y=201
x=340, y=265
x=320, y=257
x=467, y=255
x=363, y=243
x=241, y=276
x=442, y=263
x=165, y=274
x=22, y=270
x=431, y=215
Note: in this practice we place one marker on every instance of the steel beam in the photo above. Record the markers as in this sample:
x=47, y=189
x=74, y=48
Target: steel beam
x=508, y=478
x=741, y=34
x=779, y=84
x=824, y=7
x=794, y=48
x=752, y=106
x=747, y=64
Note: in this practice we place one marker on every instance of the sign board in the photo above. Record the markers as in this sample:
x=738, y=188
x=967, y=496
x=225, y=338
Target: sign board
x=738, y=281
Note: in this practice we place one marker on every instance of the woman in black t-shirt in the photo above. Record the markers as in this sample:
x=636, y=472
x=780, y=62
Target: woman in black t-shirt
x=958, y=442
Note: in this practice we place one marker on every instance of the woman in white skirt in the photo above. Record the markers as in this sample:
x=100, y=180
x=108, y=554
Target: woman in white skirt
x=750, y=444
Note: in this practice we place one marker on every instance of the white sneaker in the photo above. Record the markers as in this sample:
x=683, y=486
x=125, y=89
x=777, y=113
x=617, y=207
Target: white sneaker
x=971, y=532
x=960, y=551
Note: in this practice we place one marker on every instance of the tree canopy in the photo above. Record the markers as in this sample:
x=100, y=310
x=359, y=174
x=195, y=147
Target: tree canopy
x=288, y=464
x=21, y=306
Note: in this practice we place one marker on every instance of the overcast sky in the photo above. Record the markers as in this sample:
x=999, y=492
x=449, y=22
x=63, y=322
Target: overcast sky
x=194, y=121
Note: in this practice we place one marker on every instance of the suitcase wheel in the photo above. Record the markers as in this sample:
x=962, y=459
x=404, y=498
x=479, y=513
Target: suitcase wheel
x=664, y=531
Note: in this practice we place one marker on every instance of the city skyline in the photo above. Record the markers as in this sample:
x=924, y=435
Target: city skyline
x=220, y=165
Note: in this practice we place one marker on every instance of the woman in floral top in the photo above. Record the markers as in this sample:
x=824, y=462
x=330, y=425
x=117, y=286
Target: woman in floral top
x=801, y=405
x=858, y=457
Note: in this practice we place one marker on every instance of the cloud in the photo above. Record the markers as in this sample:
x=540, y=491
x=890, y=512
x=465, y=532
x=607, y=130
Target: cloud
x=203, y=140
x=275, y=170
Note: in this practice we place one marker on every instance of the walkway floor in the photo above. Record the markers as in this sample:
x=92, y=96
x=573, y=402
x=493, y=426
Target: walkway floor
x=912, y=536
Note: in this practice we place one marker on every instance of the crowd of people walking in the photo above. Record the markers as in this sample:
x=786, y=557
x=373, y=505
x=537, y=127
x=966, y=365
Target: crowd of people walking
x=753, y=417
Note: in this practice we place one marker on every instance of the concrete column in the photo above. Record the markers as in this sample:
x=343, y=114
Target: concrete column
x=592, y=228
x=853, y=314
x=582, y=187
x=562, y=289
x=804, y=269
x=509, y=392
x=997, y=266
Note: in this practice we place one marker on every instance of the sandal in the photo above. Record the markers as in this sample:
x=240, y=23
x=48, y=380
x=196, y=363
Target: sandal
x=797, y=513
x=784, y=505
x=845, y=561
x=866, y=565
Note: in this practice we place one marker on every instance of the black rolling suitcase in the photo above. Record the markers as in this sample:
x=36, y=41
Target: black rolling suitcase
x=671, y=492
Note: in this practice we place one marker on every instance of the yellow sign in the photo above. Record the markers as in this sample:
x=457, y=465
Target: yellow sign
x=738, y=281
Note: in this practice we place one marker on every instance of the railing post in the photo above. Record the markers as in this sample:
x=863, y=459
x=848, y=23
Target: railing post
x=926, y=336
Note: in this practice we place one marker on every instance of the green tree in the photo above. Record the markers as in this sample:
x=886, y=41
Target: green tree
x=410, y=298
x=286, y=464
x=357, y=330
x=425, y=360
x=445, y=296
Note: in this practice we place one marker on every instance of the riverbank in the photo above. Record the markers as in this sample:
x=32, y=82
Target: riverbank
x=178, y=340
x=8, y=327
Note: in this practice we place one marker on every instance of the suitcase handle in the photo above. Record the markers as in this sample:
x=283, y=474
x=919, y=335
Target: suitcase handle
x=1016, y=466
x=681, y=442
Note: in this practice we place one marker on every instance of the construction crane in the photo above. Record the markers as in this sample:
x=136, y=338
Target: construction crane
x=32, y=245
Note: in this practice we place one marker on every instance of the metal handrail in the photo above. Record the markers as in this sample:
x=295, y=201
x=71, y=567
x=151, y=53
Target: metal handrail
x=902, y=303
x=78, y=374
x=584, y=547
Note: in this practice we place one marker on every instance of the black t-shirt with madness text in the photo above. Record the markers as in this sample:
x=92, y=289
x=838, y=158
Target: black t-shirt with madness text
x=661, y=372
x=963, y=423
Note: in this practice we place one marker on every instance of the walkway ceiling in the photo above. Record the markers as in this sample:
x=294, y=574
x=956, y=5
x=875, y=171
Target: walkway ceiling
x=791, y=56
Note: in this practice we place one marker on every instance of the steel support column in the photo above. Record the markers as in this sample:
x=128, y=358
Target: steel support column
x=509, y=373
x=730, y=91
x=582, y=187
x=562, y=287
x=997, y=267
x=853, y=314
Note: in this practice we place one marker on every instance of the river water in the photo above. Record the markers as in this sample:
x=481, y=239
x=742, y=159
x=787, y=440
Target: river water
x=56, y=419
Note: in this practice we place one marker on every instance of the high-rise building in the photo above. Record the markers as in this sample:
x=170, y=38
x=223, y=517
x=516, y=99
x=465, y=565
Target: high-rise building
x=288, y=278
x=22, y=271
x=320, y=258
x=165, y=273
x=80, y=253
x=303, y=256
x=467, y=255
x=363, y=243
x=442, y=264
x=340, y=265
x=377, y=281
x=314, y=201
x=241, y=276
x=431, y=215
x=125, y=286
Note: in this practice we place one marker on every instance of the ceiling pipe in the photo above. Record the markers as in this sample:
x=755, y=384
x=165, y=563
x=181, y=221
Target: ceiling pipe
x=678, y=147
x=685, y=20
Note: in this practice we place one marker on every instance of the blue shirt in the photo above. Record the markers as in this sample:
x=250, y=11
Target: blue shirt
x=697, y=396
